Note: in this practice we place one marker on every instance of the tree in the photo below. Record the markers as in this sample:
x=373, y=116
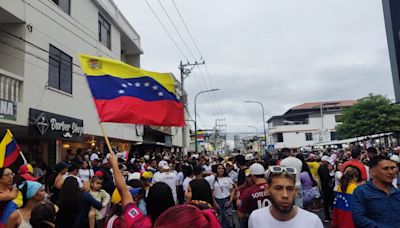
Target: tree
x=370, y=115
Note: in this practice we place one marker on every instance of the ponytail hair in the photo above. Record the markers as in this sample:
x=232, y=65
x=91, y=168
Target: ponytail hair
x=187, y=215
x=349, y=174
x=211, y=218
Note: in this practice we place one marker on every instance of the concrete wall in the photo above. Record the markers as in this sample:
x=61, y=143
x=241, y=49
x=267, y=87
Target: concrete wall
x=72, y=34
x=294, y=135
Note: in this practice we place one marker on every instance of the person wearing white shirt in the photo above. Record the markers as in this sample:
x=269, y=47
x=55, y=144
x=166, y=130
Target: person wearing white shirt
x=73, y=172
x=85, y=172
x=224, y=194
x=282, y=212
x=168, y=177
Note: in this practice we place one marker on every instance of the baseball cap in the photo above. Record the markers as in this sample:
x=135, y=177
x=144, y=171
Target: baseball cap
x=256, y=169
x=249, y=157
x=99, y=173
x=163, y=165
x=134, y=176
x=147, y=174
x=395, y=158
x=26, y=168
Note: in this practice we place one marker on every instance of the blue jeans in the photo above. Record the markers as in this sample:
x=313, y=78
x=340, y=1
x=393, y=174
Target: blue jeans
x=225, y=223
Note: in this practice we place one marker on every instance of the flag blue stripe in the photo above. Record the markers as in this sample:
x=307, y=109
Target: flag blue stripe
x=10, y=148
x=146, y=88
x=343, y=201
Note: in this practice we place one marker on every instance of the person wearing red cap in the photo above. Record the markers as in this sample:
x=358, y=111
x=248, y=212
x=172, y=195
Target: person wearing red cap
x=26, y=171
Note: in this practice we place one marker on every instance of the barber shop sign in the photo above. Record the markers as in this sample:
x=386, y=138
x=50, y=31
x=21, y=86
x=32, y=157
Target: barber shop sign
x=49, y=125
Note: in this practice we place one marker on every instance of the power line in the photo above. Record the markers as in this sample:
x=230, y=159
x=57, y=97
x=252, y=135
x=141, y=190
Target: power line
x=198, y=50
x=165, y=29
x=203, y=80
x=212, y=95
x=187, y=29
x=176, y=29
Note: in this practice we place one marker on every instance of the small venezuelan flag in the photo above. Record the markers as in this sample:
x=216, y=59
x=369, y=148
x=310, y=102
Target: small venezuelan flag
x=126, y=94
x=9, y=150
x=342, y=207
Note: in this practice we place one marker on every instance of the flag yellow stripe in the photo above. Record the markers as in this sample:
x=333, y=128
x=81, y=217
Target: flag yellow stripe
x=3, y=144
x=122, y=70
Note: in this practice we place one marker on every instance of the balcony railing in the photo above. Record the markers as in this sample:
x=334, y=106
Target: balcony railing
x=10, y=88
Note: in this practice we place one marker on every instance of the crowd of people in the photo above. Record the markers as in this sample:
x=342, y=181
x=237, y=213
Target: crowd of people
x=357, y=187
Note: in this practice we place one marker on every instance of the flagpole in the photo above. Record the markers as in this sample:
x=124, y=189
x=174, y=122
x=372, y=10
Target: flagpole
x=23, y=157
x=105, y=136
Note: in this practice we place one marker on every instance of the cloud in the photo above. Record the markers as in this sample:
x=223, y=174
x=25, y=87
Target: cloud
x=282, y=53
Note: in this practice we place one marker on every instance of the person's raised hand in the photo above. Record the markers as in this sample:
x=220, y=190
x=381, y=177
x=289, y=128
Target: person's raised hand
x=112, y=159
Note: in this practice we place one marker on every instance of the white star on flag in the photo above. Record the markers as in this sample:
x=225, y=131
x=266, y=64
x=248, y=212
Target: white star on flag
x=130, y=84
x=124, y=85
x=137, y=84
x=155, y=87
x=146, y=84
x=160, y=94
x=121, y=91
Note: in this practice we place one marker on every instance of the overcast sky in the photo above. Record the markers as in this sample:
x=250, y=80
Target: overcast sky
x=279, y=52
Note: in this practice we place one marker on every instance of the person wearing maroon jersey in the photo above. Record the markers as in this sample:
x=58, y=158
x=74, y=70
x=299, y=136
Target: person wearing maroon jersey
x=254, y=197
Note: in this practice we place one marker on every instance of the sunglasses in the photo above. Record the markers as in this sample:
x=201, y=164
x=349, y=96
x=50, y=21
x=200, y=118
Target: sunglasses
x=280, y=169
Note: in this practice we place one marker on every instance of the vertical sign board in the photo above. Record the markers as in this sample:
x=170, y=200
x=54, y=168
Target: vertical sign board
x=8, y=110
x=391, y=11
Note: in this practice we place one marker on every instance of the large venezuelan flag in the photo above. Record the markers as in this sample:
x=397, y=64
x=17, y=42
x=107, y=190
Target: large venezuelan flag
x=342, y=207
x=126, y=94
x=9, y=150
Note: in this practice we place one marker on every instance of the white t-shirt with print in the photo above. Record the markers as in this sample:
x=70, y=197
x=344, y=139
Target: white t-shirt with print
x=262, y=218
x=222, y=187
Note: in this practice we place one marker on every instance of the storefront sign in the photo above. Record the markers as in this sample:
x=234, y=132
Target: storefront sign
x=8, y=110
x=49, y=125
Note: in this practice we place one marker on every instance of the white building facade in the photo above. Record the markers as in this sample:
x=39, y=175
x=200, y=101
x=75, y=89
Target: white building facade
x=50, y=109
x=306, y=124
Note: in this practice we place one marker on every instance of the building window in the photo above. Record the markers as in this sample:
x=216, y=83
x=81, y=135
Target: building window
x=279, y=137
x=309, y=137
x=104, y=31
x=334, y=136
x=65, y=5
x=60, y=70
x=338, y=118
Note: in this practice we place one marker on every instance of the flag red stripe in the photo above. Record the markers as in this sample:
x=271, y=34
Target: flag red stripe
x=11, y=158
x=342, y=219
x=136, y=111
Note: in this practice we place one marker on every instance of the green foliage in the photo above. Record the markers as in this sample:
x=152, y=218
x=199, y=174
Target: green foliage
x=371, y=115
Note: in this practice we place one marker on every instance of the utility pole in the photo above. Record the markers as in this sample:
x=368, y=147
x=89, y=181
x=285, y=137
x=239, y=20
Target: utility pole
x=185, y=70
x=218, y=130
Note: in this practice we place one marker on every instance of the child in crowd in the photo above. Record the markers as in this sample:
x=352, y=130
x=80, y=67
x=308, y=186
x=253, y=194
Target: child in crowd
x=99, y=194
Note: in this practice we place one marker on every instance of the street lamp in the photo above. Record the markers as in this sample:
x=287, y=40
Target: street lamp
x=255, y=128
x=263, y=116
x=195, y=115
